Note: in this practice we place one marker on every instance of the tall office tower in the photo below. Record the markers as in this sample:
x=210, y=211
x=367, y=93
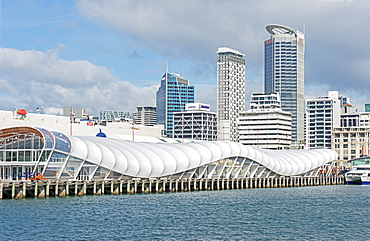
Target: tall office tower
x=172, y=96
x=323, y=115
x=284, y=73
x=145, y=115
x=230, y=92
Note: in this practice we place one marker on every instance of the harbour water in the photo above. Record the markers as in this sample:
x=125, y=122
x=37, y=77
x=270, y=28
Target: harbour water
x=339, y=212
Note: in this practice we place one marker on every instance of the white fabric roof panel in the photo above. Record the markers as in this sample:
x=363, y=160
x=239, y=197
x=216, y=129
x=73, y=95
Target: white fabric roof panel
x=139, y=159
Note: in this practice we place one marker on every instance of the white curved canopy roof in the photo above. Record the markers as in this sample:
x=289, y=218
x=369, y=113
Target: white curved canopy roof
x=138, y=159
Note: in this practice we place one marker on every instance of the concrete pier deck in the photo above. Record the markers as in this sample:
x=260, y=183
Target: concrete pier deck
x=57, y=188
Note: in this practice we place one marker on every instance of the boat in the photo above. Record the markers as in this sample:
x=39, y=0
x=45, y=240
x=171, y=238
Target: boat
x=365, y=178
x=355, y=175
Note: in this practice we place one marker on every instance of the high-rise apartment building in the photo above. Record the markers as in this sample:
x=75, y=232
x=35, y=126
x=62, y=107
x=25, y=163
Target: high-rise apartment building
x=196, y=123
x=265, y=125
x=230, y=92
x=145, y=115
x=284, y=73
x=172, y=96
x=323, y=115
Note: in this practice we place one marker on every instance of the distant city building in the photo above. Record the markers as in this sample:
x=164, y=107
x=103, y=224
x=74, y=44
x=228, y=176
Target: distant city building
x=145, y=115
x=172, y=96
x=230, y=92
x=351, y=139
x=265, y=125
x=79, y=113
x=196, y=123
x=367, y=107
x=284, y=73
x=351, y=143
x=114, y=115
x=323, y=114
x=347, y=108
x=76, y=113
x=354, y=119
x=344, y=100
x=67, y=111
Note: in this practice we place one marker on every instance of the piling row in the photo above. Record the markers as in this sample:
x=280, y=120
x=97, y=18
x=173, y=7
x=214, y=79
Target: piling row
x=20, y=190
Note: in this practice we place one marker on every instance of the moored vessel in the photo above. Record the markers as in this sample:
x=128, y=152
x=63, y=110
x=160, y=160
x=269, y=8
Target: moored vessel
x=354, y=176
x=360, y=167
x=365, y=178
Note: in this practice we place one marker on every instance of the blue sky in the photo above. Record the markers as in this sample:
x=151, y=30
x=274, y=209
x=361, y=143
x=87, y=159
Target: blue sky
x=44, y=25
x=111, y=54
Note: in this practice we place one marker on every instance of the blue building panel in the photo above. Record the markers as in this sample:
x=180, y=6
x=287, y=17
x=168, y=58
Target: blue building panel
x=172, y=96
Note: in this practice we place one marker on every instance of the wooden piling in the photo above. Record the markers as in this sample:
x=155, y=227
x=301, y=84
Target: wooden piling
x=57, y=188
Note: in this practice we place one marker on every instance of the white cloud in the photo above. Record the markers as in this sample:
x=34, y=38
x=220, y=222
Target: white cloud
x=336, y=35
x=53, y=111
x=31, y=79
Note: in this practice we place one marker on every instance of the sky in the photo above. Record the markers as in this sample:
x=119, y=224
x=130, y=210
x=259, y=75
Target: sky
x=111, y=54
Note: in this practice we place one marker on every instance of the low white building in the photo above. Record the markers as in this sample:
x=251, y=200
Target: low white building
x=265, y=125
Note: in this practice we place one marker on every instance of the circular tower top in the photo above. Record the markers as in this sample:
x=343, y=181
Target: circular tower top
x=279, y=29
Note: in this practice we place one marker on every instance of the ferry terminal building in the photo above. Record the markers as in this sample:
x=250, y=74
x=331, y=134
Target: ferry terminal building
x=58, y=156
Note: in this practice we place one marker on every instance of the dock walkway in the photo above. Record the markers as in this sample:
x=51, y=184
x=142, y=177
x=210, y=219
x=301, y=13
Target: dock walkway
x=57, y=188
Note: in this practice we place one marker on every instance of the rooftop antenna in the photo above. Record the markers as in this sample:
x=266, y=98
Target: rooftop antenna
x=166, y=66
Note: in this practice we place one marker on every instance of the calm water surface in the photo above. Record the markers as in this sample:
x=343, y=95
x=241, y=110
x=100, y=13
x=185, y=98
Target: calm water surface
x=304, y=213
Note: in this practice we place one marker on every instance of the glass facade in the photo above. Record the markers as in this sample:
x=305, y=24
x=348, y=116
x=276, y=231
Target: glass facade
x=171, y=97
x=25, y=152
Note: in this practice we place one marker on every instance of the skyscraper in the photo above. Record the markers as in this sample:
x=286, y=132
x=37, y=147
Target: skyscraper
x=230, y=92
x=172, y=96
x=284, y=73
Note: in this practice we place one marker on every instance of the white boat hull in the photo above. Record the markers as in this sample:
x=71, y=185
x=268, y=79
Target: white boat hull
x=355, y=175
x=365, y=180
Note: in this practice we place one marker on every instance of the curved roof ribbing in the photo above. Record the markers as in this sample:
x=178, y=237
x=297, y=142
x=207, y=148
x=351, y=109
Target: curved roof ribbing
x=138, y=159
x=153, y=160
